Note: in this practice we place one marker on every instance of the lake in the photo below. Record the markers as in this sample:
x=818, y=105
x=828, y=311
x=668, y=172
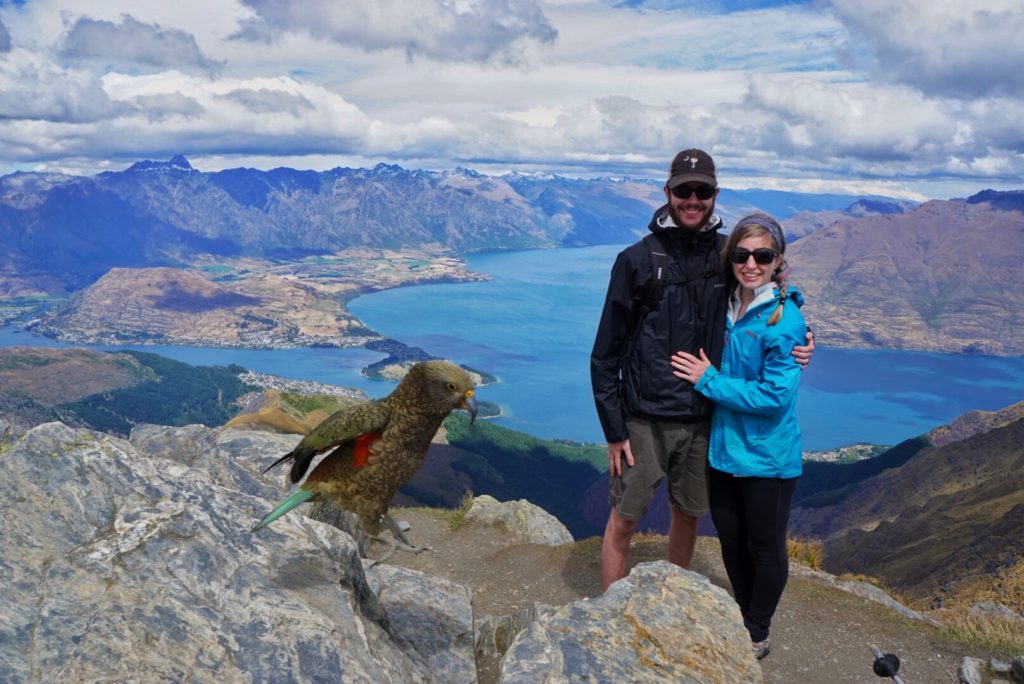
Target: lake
x=532, y=324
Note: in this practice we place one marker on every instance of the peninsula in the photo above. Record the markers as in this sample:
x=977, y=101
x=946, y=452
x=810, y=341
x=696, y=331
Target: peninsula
x=245, y=302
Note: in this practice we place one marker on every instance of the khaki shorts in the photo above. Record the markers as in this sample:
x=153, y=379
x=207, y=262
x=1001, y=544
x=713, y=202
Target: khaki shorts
x=663, y=449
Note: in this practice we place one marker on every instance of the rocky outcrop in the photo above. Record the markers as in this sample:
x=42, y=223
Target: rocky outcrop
x=995, y=671
x=431, y=617
x=120, y=565
x=495, y=634
x=988, y=610
x=524, y=522
x=132, y=559
x=661, y=623
x=865, y=590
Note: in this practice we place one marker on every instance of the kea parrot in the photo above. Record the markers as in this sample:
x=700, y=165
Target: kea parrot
x=376, y=447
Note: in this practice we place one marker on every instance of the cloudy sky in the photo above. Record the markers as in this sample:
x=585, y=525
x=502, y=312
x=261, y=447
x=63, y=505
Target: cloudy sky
x=917, y=98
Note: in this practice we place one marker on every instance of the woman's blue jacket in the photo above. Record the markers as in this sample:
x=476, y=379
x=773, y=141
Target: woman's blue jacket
x=754, y=430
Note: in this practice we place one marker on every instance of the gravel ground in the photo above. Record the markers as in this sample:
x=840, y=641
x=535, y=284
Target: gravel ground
x=820, y=634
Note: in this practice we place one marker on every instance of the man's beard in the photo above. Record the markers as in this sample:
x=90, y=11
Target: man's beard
x=705, y=217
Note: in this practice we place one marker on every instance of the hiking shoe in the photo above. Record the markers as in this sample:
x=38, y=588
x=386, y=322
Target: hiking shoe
x=761, y=648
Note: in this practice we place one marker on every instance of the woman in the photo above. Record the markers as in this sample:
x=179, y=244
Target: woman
x=754, y=457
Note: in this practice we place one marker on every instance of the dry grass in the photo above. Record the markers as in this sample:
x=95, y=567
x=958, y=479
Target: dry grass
x=805, y=552
x=456, y=517
x=868, y=579
x=271, y=418
x=990, y=633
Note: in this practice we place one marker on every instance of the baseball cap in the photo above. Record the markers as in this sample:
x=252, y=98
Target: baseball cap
x=692, y=165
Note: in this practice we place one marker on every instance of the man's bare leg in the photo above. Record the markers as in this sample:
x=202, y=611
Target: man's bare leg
x=682, y=537
x=615, y=548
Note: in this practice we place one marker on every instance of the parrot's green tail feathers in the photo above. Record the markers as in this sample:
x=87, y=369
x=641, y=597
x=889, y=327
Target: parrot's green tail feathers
x=300, y=496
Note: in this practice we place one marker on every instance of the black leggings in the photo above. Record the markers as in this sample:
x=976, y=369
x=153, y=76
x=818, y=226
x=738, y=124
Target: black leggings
x=751, y=515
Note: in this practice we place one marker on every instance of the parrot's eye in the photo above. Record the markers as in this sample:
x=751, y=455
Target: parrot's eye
x=451, y=386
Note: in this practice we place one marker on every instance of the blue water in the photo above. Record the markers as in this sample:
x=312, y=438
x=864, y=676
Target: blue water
x=532, y=324
x=332, y=366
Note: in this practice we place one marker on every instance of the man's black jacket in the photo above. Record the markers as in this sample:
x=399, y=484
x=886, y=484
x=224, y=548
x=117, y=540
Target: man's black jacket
x=629, y=365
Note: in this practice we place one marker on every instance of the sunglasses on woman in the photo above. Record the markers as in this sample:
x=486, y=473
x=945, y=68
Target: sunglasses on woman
x=703, y=191
x=762, y=255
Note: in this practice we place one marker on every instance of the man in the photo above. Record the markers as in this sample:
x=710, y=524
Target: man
x=667, y=293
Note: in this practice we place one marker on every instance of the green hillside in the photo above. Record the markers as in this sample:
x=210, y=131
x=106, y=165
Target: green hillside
x=181, y=394
x=948, y=519
x=488, y=459
x=827, y=484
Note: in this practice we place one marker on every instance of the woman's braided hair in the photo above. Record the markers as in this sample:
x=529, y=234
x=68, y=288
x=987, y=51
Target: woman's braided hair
x=762, y=224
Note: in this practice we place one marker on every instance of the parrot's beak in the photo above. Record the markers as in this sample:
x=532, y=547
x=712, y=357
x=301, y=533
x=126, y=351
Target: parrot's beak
x=469, y=403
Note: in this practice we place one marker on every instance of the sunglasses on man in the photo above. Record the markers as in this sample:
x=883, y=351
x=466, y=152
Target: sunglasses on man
x=762, y=255
x=703, y=191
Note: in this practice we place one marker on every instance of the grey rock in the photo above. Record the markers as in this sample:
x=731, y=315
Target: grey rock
x=970, y=671
x=999, y=666
x=231, y=458
x=188, y=445
x=524, y=521
x=117, y=566
x=132, y=560
x=998, y=611
x=494, y=634
x=659, y=624
x=1017, y=669
x=431, y=617
x=864, y=590
x=9, y=432
x=346, y=521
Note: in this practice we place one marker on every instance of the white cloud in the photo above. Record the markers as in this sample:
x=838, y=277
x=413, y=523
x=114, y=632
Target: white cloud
x=540, y=116
x=265, y=101
x=79, y=115
x=5, y=38
x=617, y=92
x=35, y=88
x=132, y=43
x=165, y=106
x=996, y=123
x=949, y=47
x=474, y=30
x=860, y=120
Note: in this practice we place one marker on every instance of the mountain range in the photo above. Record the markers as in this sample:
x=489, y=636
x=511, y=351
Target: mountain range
x=804, y=223
x=60, y=233
x=944, y=276
x=876, y=272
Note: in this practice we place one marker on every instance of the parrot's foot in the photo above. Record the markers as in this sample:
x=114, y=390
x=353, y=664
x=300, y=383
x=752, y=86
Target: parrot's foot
x=398, y=541
x=395, y=544
x=396, y=529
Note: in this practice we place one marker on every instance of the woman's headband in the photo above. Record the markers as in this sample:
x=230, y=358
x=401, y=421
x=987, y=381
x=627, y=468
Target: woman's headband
x=768, y=223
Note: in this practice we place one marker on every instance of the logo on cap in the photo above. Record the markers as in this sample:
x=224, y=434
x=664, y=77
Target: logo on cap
x=701, y=168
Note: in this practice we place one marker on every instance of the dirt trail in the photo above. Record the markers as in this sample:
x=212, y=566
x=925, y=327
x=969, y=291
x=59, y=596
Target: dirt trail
x=820, y=634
